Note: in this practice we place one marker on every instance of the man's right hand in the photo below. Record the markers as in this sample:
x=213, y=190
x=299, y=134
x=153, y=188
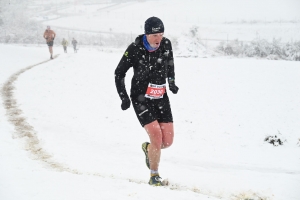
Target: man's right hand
x=125, y=103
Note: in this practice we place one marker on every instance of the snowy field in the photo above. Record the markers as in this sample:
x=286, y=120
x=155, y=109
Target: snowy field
x=222, y=20
x=81, y=145
x=63, y=134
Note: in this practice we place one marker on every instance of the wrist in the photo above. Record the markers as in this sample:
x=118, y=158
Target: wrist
x=171, y=80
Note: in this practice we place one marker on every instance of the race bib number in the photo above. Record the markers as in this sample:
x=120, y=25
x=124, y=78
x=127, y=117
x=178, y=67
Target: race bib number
x=155, y=91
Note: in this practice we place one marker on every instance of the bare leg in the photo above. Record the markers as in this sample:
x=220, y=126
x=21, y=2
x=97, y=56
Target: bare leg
x=51, y=50
x=161, y=136
x=167, y=134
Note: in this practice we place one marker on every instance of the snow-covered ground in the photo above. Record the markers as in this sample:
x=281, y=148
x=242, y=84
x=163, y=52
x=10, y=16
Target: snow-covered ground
x=81, y=145
x=64, y=136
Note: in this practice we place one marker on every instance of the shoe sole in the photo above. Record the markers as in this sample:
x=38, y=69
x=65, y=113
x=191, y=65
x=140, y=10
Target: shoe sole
x=157, y=184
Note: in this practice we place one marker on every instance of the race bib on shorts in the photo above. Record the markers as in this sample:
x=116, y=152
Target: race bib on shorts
x=155, y=91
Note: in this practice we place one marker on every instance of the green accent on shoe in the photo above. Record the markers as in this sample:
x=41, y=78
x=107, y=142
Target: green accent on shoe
x=155, y=180
x=144, y=147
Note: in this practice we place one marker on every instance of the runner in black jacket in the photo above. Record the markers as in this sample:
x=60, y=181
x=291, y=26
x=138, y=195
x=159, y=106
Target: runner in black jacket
x=151, y=57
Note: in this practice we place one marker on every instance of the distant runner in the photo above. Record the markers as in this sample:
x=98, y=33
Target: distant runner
x=65, y=44
x=74, y=43
x=49, y=35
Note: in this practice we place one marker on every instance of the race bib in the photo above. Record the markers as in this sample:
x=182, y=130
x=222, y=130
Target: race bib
x=155, y=91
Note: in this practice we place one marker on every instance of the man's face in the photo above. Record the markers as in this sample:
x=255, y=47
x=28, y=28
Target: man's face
x=154, y=39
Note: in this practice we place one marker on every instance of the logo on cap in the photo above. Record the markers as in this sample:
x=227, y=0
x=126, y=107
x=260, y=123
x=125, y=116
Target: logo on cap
x=155, y=29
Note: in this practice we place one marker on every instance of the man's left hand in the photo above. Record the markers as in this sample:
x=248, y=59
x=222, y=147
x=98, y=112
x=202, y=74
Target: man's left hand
x=173, y=88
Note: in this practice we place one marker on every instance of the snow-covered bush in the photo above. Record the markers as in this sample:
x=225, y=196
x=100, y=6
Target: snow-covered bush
x=275, y=140
x=234, y=47
x=16, y=26
x=221, y=47
x=274, y=50
x=249, y=50
x=189, y=44
x=261, y=47
x=292, y=51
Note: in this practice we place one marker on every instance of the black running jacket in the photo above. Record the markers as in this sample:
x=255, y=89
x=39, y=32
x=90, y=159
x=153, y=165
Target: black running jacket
x=148, y=67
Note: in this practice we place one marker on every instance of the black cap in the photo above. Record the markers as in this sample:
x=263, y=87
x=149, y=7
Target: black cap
x=154, y=25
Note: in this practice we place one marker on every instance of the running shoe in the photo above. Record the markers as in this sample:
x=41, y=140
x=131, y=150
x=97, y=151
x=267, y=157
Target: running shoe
x=144, y=147
x=155, y=180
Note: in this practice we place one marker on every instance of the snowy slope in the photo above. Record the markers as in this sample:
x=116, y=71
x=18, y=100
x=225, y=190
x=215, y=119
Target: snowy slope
x=222, y=20
x=223, y=112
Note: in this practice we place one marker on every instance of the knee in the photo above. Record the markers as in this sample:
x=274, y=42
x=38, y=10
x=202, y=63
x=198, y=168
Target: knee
x=166, y=144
